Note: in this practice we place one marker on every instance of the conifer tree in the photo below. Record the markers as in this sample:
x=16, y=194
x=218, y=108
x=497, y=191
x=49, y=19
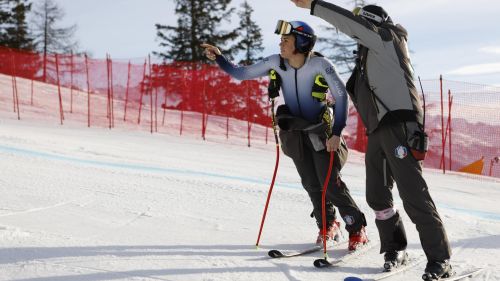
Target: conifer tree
x=14, y=28
x=198, y=22
x=4, y=16
x=250, y=33
x=48, y=37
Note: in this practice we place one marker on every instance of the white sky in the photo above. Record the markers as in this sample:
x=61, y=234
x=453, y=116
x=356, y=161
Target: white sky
x=457, y=38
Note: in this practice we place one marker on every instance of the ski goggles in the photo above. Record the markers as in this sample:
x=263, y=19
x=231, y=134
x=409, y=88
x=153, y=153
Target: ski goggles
x=358, y=11
x=286, y=28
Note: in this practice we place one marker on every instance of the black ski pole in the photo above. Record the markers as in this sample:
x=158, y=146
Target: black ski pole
x=423, y=98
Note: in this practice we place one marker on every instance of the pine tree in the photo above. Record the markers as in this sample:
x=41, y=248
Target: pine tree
x=4, y=14
x=249, y=102
x=198, y=23
x=251, y=37
x=48, y=37
x=14, y=28
x=339, y=48
x=4, y=20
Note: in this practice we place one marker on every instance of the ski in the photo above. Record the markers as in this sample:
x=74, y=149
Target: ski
x=277, y=254
x=455, y=276
x=323, y=263
x=400, y=269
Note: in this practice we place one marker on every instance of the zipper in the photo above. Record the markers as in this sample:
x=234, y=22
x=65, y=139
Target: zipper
x=297, y=94
x=364, y=73
x=374, y=101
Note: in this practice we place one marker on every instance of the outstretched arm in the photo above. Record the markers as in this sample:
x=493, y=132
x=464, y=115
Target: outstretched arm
x=345, y=21
x=248, y=72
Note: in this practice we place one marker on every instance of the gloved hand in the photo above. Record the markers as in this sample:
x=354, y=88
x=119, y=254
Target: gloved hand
x=327, y=118
x=273, y=89
x=417, y=140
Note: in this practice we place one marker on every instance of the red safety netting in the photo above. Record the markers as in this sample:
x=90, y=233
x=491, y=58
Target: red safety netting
x=463, y=123
x=140, y=92
x=462, y=119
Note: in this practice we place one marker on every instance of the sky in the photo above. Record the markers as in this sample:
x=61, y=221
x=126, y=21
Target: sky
x=94, y=204
x=459, y=39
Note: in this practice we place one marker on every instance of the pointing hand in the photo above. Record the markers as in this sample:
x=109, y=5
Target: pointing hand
x=211, y=51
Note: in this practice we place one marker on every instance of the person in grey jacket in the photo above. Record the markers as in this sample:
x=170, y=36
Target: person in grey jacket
x=303, y=138
x=382, y=89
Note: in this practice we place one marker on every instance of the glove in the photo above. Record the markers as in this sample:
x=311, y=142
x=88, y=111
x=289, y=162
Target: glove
x=320, y=87
x=273, y=89
x=327, y=118
x=417, y=140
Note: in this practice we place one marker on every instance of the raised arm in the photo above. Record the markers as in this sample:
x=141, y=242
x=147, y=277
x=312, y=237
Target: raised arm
x=344, y=20
x=256, y=70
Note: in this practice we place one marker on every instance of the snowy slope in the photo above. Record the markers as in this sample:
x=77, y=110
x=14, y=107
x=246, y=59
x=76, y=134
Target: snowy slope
x=80, y=203
x=94, y=204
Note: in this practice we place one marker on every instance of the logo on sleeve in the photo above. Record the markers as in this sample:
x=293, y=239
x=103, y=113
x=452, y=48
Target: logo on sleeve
x=349, y=220
x=330, y=70
x=401, y=152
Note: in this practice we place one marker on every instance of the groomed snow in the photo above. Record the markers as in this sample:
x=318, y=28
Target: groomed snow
x=81, y=203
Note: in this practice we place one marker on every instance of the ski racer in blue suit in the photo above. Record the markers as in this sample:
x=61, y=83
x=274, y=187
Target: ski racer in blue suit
x=299, y=68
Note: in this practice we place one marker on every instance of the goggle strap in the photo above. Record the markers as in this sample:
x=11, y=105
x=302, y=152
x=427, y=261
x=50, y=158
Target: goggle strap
x=302, y=33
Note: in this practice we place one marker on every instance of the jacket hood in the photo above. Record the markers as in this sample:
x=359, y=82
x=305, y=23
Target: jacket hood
x=399, y=29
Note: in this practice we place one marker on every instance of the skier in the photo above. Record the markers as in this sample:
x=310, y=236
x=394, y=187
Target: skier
x=301, y=115
x=383, y=90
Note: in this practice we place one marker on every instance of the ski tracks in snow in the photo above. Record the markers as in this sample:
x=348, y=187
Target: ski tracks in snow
x=39, y=209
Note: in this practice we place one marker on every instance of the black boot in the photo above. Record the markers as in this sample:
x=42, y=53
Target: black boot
x=394, y=259
x=436, y=270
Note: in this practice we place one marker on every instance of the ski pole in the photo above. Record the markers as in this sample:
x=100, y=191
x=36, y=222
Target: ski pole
x=274, y=174
x=323, y=201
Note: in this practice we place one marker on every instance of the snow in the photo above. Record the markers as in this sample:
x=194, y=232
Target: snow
x=82, y=203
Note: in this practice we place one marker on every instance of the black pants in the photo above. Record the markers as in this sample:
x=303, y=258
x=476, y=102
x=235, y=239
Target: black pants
x=387, y=160
x=313, y=167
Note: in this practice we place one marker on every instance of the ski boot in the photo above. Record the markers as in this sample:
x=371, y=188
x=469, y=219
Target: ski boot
x=436, y=270
x=332, y=233
x=357, y=238
x=394, y=260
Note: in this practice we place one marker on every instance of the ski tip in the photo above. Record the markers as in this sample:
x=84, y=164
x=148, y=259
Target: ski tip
x=454, y=275
x=275, y=254
x=352, y=278
x=321, y=263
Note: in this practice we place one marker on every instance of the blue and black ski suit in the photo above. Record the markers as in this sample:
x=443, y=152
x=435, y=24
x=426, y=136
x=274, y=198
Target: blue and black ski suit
x=312, y=165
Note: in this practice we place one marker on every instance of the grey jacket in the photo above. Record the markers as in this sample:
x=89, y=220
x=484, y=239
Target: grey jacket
x=383, y=80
